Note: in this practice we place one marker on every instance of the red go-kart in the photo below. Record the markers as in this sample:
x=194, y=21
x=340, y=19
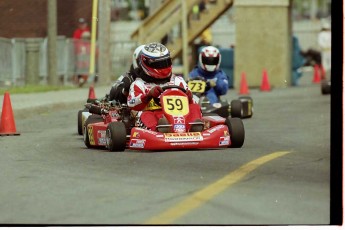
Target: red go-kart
x=211, y=131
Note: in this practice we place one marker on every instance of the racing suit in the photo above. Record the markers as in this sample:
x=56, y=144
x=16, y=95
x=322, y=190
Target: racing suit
x=119, y=90
x=218, y=77
x=151, y=111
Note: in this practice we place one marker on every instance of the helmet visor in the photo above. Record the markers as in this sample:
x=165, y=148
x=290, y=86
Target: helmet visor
x=160, y=63
x=210, y=60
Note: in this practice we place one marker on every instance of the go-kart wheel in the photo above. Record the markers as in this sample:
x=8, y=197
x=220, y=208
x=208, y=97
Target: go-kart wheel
x=236, y=130
x=247, y=98
x=247, y=105
x=90, y=120
x=80, y=120
x=116, y=135
x=325, y=87
x=236, y=108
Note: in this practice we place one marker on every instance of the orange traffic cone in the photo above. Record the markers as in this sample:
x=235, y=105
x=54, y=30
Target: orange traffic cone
x=265, y=85
x=92, y=93
x=7, y=124
x=243, y=85
x=317, y=77
x=323, y=73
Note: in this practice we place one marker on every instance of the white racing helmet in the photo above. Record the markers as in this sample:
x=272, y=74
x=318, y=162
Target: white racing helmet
x=209, y=58
x=136, y=55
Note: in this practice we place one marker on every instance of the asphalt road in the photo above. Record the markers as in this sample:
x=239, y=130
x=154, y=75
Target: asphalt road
x=50, y=177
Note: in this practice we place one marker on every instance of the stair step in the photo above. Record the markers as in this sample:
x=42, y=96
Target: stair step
x=195, y=28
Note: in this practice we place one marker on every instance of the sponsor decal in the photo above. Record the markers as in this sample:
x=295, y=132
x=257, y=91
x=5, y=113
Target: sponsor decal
x=226, y=133
x=90, y=132
x=136, y=134
x=182, y=137
x=179, y=120
x=149, y=131
x=101, y=134
x=102, y=141
x=183, y=143
x=152, y=105
x=214, y=129
x=137, y=143
x=180, y=128
x=224, y=141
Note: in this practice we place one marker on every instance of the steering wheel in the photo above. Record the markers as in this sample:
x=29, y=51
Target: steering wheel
x=174, y=87
x=157, y=100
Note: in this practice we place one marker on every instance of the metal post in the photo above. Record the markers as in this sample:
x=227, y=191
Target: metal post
x=184, y=40
x=93, y=37
x=104, y=41
x=52, y=53
x=32, y=61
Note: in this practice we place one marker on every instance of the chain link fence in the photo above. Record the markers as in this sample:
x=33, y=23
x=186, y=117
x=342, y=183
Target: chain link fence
x=72, y=60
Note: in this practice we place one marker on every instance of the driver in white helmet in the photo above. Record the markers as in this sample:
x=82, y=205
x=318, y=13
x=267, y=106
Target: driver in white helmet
x=119, y=90
x=155, y=67
x=208, y=70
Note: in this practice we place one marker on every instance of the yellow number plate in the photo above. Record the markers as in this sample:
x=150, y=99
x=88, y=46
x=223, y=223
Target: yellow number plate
x=176, y=105
x=197, y=86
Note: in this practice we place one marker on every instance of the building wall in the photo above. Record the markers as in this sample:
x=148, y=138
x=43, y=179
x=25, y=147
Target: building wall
x=263, y=42
x=22, y=19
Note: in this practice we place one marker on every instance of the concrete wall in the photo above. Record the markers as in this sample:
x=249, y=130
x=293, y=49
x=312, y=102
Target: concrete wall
x=263, y=41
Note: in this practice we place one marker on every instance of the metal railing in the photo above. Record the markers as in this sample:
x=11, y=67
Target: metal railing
x=71, y=61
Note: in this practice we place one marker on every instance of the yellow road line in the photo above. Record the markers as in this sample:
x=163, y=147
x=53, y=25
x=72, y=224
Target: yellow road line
x=202, y=196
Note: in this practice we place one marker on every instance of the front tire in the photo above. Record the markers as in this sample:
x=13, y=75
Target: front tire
x=116, y=135
x=236, y=130
x=236, y=108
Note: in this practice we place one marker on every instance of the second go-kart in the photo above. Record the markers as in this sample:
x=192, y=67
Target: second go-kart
x=83, y=114
x=94, y=128
x=178, y=132
x=241, y=107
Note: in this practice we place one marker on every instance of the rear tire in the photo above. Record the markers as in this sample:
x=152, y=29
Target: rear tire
x=236, y=108
x=80, y=120
x=247, y=105
x=236, y=130
x=116, y=135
